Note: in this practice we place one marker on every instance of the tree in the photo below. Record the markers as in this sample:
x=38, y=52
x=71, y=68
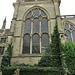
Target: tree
x=51, y=57
x=55, y=48
x=7, y=56
x=69, y=50
x=45, y=60
x=56, y=42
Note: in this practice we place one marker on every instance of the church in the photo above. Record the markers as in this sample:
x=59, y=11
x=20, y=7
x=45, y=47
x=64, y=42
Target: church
x=31, y=28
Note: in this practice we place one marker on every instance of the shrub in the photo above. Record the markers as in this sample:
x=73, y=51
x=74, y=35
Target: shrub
x=32, y=70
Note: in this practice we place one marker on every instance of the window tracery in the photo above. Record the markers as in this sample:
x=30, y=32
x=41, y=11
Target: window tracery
x=36, y=23
x=70, y=31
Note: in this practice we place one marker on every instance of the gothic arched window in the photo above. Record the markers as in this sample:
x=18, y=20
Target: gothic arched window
x=36, y=37
x=69, y=31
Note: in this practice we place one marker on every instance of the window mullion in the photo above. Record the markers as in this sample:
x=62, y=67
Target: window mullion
x=49, y=28
x=40, y=35
x=71, y=35
x=31, y=38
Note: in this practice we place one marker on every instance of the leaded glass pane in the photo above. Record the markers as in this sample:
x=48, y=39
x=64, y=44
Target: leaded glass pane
x=29, y=14
x=72, y=27
x=45, y=42
x=66, y=26
x=35, y=44
x=36, y=12
x=43, y=13
x=68, y=35
x=73, y=34
x=40, y=17
x=44, y=25
x=27, y=26
x=26, y=44
x=35, y=26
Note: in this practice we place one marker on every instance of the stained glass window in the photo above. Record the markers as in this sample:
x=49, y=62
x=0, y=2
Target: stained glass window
x=29, y=14
x=73, y=34
x=35, y=44
x=44, y=25
x=68, y=35
x=36, y=24
x=43, y=13
x=26, y=44
x=27, y=26
x=70, y=31
x=72, y=27
x=66, y=26
x=36, y=12
x=44, y=42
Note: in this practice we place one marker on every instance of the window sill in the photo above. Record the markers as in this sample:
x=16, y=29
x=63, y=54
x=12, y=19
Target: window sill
x=29, y=55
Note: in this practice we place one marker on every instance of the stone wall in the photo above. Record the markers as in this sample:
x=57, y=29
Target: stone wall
x=28, y=59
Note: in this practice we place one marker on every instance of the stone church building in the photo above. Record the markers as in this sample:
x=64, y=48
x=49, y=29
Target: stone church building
x=31, y=28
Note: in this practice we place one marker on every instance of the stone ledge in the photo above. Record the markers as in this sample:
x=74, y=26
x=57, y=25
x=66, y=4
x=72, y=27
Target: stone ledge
x=28, y=55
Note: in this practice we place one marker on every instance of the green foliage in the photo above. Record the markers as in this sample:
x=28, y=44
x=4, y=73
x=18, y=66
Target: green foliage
x=7, y=56
x=51, y=57
x=69, y=50
x=45, y=60
x=56, y=42
x=32, y=70
x=55, y=48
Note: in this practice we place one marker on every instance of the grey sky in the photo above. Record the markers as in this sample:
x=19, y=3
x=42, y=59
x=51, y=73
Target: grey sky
x=67, y=7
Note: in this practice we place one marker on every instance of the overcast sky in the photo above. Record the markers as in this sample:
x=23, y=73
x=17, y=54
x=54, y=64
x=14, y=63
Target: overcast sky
x=67, y=7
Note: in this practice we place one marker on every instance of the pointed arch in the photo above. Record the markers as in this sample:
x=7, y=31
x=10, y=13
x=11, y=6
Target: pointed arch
x=41, y=8
x=69, y=29
x=35, y=24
